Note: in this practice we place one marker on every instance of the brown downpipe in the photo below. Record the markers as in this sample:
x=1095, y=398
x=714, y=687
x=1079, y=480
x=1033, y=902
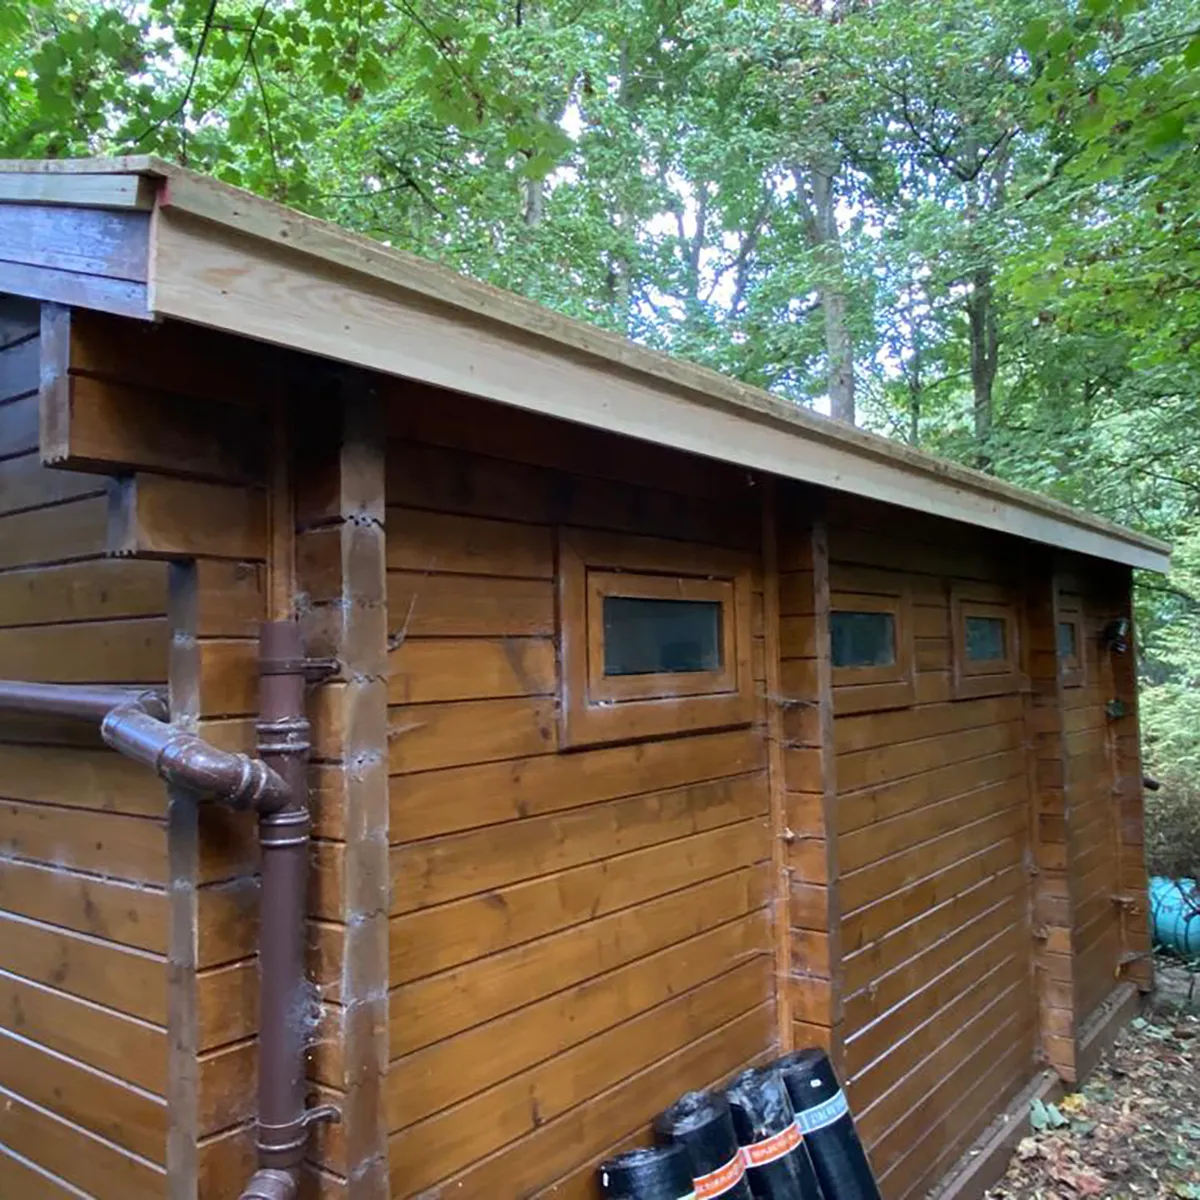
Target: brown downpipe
x=286, y=1001
x=275, y=786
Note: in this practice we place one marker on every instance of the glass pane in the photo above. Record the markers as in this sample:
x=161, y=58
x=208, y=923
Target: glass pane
x=652, y=637
x=863, y=639
x=986, y=640
x=1068, y=644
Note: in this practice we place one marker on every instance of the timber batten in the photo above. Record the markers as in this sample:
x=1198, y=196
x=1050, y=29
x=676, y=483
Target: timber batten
x=524, y=941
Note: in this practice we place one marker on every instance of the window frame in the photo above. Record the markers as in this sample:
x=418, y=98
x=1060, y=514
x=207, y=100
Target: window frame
x=984, y=677
x=1072, y=672
x=893, y=685
x=596, y=708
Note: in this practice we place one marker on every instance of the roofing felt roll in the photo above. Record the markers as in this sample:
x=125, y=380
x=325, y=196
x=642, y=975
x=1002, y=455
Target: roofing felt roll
x=777, y=1163
x=701, y=1123
x=823, y=1117
x=648, y=1173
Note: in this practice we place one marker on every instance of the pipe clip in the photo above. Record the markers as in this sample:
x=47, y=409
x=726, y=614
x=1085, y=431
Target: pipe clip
x=313, y=669
x=320, y=1115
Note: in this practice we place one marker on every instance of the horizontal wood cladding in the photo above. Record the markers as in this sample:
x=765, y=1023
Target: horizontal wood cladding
x=72, y=255
x=933, y=833
x=83, y=850
x=576, y=937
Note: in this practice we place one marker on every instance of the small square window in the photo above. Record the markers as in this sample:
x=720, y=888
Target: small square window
x=645, y=636
x=984, y=642
x=862, y=639
x=870, y=643
x=655, y=638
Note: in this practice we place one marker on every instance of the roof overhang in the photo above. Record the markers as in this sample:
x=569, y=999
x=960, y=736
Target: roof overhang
x=161, y=241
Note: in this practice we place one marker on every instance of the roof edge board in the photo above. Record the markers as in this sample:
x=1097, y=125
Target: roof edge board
x=963, y=494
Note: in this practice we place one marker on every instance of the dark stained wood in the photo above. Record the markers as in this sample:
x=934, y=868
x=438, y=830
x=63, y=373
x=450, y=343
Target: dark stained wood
x=154, y=516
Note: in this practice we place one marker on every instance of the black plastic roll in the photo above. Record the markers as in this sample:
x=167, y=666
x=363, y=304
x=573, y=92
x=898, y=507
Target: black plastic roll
x=777, y=1164
x=701, y=1123
x=654, y=1173
x=823, y=1117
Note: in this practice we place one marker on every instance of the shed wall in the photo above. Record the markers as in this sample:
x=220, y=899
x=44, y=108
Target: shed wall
x=577, y=937
x=932, y=825
x=83, y=848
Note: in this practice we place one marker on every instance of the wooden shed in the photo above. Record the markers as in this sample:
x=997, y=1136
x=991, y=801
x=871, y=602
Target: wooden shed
x=653, y=726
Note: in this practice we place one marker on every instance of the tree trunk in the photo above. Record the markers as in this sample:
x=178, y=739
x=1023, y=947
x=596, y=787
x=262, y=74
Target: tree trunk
x=981, y=313
x=823, y=235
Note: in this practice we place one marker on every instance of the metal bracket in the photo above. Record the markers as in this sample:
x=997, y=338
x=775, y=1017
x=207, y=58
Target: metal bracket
x=313, y=669
x=320, y=1115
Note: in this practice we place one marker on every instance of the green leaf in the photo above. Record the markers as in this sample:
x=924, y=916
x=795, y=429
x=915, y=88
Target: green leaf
x=1035, y=35
x=1191, y=56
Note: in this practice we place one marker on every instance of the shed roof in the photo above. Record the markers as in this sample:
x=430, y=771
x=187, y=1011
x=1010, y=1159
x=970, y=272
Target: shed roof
x=148, y=239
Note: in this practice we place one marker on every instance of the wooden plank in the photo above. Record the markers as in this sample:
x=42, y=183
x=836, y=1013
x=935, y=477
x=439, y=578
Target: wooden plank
x=20, y=370
x=130, y=1050
x=432, y=872
x=225, y=1087
x=155, y=516
x=581, y=1133
x=432, y=940
x=443, y=801
x=866, y=732
x=467, y=606
x=425, y=671
x=454, y=1070
x=427, y=736
x=228, y=677
x=113, y=245
x=131, y=848
x=108, y=190
x=32, y=1182
x=465, y=422
x=118, y=296
x=450, y=1141
x=118, y=977
x=102, y=589
x=107, y=909
x=81, y=778
x=122, y=652
x=110, y=427
x=438, y=1006
x=447, y=543
x=26, y=484
x=112, y=1110
x=77, y=529
x=83, y=1160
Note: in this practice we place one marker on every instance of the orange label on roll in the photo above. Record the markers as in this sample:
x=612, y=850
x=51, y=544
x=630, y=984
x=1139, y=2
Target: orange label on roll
x=769, y=1149
x=718, y=1182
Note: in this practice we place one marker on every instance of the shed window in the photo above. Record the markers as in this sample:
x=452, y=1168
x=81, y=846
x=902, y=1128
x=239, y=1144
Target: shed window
x=985, y=640
x=644, y=636
x=1070, y=641
x=870, y=642
x=862, y=639
x=655, y=637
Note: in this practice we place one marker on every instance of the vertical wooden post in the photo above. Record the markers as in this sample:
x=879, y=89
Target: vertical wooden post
x=1136, y=964
x=1050, y=891
x=780, y=875
x=805, y=701
x=183, y=851
x=828, y=784
x=341, y=576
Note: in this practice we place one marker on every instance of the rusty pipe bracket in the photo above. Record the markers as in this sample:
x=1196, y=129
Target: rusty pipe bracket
x=322, y=1114
x=313, y=669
